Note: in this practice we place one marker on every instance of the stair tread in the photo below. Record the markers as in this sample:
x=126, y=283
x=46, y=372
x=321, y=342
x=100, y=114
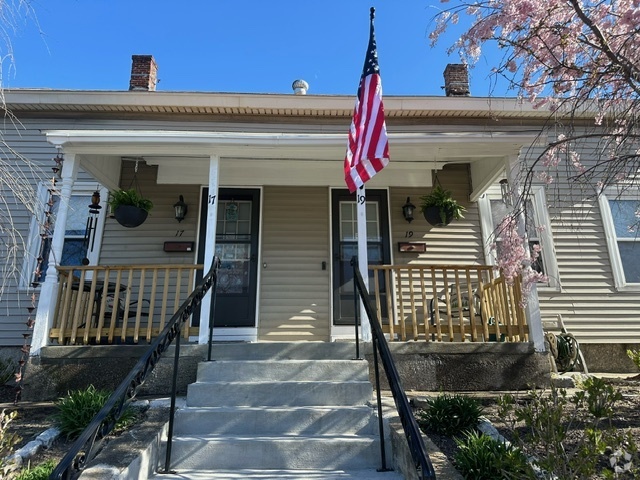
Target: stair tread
x=366, y=474
x=274, y=437
x=284, y=408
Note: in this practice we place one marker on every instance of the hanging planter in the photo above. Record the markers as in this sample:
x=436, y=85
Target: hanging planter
x=439, y=207
x=129, y=207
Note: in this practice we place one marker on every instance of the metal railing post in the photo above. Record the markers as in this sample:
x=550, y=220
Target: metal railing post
x=383, y=454
x=174, y=389
x=216, y=264
x=356, y=304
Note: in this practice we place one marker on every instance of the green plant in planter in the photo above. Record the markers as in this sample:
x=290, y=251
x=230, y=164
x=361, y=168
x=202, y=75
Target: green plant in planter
x=129, y=197
x=129, y=207
x=447, y=207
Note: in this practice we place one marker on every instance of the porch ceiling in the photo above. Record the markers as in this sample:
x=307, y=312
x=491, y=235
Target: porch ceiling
x=263, y=158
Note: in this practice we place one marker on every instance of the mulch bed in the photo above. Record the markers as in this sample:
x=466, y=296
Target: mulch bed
x=627, y=417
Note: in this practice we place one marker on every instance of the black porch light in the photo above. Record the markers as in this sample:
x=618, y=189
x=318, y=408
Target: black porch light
x=407, y=210
x=181, y=209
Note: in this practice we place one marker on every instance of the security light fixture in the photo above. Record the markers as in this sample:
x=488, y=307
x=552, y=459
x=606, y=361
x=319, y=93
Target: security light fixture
x=181, y=209
x=408, y=209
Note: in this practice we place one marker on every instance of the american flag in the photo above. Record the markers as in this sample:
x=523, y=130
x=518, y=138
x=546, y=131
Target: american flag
x=368, y=148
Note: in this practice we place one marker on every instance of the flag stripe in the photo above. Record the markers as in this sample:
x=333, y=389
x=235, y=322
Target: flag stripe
x=368, y=146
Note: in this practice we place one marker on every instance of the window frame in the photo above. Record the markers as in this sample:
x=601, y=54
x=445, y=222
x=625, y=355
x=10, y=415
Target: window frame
x=33, y=242
x=540, y=217
x=617, y=269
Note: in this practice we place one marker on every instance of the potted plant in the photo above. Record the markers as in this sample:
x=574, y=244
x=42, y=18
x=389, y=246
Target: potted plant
x=129, y=207
x=439, y=208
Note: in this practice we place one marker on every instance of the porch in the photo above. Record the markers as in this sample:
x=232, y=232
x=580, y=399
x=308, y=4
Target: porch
x=427, y=303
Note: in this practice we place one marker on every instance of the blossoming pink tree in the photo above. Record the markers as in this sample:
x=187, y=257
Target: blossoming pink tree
x=580, y=59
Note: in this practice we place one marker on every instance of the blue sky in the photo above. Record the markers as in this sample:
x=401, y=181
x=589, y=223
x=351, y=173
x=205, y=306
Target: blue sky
x=240, y=46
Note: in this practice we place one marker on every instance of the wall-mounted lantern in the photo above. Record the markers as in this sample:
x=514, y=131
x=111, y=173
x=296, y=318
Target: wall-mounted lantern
x=181, y=209
x=407, y=210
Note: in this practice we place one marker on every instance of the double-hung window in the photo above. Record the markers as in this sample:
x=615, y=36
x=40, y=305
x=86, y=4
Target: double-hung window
x=621, y=216
x=493, y=210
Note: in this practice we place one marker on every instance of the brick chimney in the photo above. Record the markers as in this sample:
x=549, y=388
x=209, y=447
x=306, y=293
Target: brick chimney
x=144, y=73
x=456, y=80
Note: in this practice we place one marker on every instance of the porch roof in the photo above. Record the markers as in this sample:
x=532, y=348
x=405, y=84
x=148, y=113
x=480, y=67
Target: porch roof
x=305, y=158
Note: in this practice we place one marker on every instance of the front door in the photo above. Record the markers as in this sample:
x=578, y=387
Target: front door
x=237, y=248
x=345, y=246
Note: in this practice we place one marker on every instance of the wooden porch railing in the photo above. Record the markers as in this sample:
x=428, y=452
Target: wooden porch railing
x=455, y=303
x=125, y=303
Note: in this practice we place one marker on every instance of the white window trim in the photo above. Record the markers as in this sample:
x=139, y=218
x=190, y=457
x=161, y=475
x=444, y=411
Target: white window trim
x=33, y=242
x=541, y=217
x=612, y=243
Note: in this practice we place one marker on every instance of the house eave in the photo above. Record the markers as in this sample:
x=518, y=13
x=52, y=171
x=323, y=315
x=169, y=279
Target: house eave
x=262, y=105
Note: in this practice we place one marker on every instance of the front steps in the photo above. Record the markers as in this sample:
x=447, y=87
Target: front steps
x=279, y=411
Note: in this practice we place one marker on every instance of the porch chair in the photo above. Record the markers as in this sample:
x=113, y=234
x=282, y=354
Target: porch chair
x=124, y=310
x=451, y=303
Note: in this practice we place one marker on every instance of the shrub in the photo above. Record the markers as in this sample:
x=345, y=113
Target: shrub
x=7, y=443
x=39, y=472
x=77, y=409
x=7, y=370
x=451, y=414
x=600, y=397
x=480, y=457
x=635, y=356
x=566, y=435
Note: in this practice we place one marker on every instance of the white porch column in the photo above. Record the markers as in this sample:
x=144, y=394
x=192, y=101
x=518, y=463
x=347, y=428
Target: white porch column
x=49, y=288
x=363, y=257
x=532, y=310
x=210, y=245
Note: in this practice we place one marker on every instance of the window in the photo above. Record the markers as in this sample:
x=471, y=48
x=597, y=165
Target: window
x=493, y=210
x=619, y=215
x=75, y=248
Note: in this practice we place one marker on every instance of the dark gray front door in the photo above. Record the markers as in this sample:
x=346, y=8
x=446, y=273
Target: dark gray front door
x=345, y=246
x=237, y=248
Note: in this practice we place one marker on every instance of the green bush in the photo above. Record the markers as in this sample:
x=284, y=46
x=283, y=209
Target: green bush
x=451, y=414
x=480, y=457
x=600, y=397
x=7, y=442
x=77, y=409
x=571, y=433
x=39, y=472
x=7, y=370
x=635, y=356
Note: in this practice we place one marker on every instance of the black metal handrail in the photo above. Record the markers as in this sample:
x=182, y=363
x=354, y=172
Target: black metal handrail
x=88, y=444
x=410, y=426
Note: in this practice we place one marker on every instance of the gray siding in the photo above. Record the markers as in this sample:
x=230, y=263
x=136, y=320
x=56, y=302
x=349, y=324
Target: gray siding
x=294, y=294
x=27, y=140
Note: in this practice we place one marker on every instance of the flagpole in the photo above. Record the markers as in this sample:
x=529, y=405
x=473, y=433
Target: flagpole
x=363, y=258
x=367, y=153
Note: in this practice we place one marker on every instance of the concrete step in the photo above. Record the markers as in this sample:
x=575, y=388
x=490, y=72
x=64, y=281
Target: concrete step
x=284, y=351
x=282, y=370
x=247, y=474
x=346, y=452
x=257, y=394
x=275, y=420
